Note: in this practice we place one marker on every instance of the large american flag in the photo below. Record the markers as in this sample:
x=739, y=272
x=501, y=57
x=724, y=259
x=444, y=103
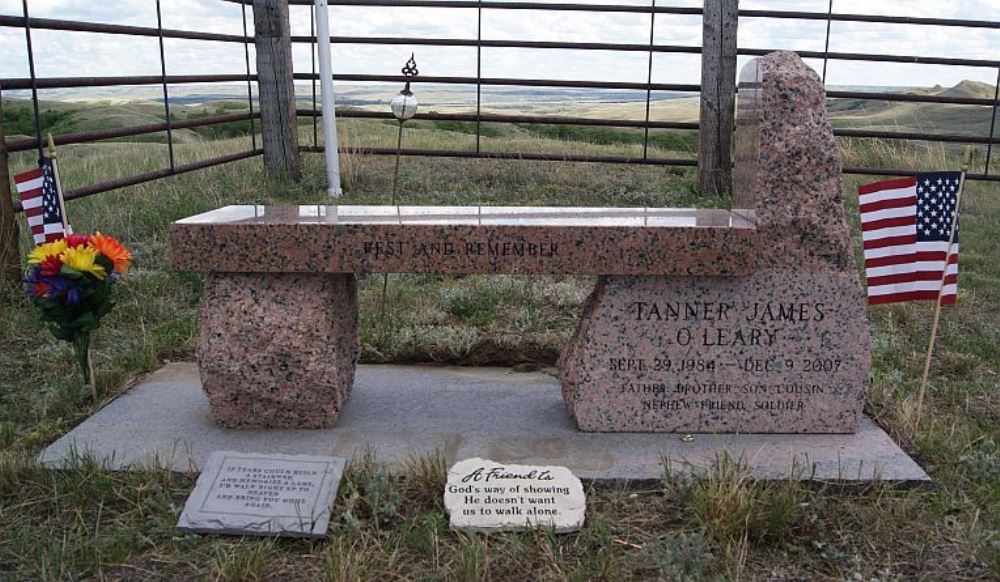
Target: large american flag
x=40, y=199
x=906, y=226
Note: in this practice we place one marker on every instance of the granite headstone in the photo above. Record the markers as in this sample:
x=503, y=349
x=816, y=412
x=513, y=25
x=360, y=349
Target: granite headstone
x=785, y=349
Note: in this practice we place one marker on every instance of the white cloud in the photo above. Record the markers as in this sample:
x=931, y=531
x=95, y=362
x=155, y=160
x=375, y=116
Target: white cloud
x=71, y=54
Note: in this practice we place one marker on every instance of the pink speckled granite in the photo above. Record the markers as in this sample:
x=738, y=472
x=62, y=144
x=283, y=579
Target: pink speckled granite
x=278, y=350
x=785, y=349
x=465, y=240
x=279, y=341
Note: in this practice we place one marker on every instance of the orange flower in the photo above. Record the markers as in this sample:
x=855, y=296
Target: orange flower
x=113, y=250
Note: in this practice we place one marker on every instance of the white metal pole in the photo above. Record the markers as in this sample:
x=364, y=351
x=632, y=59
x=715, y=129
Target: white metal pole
x=329, y=108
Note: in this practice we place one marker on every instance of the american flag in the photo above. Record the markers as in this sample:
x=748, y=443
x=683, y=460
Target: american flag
x=906, y=226
x=40, y=199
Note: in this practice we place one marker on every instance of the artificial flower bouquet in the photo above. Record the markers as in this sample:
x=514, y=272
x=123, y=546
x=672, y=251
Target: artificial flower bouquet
x=70, y=282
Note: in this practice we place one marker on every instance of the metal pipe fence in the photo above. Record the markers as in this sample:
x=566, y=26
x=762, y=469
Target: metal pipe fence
x=479, y=81
x=34, y=83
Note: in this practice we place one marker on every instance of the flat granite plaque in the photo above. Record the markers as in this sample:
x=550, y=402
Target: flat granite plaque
x=264, y=495
x=486, y=496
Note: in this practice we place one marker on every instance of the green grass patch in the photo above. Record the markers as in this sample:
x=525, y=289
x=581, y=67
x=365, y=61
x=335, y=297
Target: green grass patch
x=679, y=140
x=19, y=119
x=469, y=127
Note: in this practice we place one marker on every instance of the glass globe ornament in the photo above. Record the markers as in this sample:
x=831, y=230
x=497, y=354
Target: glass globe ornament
x=404, y=105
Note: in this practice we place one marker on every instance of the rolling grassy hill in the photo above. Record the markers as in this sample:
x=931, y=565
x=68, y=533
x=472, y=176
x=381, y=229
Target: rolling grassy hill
x=60, y=117
x=83, y=115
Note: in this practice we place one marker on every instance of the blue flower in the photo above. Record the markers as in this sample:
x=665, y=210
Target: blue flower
x=66, y=290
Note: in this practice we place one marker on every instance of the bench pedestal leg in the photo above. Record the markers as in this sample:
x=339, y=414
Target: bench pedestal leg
x=278, y=350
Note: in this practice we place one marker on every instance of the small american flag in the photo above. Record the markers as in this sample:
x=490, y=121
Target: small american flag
x=40, y=199
x=906, y=227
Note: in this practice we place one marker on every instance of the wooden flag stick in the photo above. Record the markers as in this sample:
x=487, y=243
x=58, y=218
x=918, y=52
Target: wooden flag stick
x=67, y=230
x=59, y=190
x=966, y=162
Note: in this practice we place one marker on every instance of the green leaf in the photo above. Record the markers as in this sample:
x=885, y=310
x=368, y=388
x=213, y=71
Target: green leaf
x=105, y=262
x=70, y=272
x=103, y=308
x=85, y=322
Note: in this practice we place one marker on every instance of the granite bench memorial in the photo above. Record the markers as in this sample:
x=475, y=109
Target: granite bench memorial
x=743, y=320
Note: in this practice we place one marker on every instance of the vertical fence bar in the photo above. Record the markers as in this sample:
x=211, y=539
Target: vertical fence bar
x=246, y=54
x=826, y=44
x=10, y=249
x=312, y=64
x=34, y=80
x=649, y=81
x=479, y=72
x=993, y=123
x=718, y=96
x=166, y=96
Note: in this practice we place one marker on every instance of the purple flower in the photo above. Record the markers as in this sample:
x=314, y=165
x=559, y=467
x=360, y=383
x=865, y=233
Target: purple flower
x=36, y=285
x=63, y=289
x=67, y=290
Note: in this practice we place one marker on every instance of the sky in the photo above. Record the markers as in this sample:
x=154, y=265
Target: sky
x=59, y=53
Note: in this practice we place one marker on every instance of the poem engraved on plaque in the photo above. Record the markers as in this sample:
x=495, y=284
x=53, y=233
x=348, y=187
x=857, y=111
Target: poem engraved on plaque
x=254, y=494
x=483, y=495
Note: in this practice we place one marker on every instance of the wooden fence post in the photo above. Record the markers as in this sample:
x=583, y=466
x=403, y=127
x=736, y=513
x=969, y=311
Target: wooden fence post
x=279, y=127
x=10, y=249
x=718, y=96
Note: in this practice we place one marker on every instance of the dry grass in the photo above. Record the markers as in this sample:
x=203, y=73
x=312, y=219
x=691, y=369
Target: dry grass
x=86, y=522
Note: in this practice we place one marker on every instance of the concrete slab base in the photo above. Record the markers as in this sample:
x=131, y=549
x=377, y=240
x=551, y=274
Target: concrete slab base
x=494, y=413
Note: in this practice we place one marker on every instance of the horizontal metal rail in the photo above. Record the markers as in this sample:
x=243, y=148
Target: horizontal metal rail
x=531, y=156
x=909, y=97
x=906, y=135
x=630, y=47
x=681, y=10
x=103, y=28
x=24, y=144
x=634, y=123
x=152, y=176
x=499, y=118
x=879, y=58
x=871, y=18
x=570, y=7
x=499, y=81
x=485, y=43
x=876, y=96
x=904, y=172
x=67, y=82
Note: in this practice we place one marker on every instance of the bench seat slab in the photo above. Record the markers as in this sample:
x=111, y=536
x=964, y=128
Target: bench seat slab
x=466, y=240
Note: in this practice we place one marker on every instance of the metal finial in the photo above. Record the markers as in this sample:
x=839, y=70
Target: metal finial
x=409, y=71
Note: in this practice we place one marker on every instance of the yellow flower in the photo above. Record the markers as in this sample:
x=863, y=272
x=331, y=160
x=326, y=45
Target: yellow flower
x=82, y=259
x=42, y=251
